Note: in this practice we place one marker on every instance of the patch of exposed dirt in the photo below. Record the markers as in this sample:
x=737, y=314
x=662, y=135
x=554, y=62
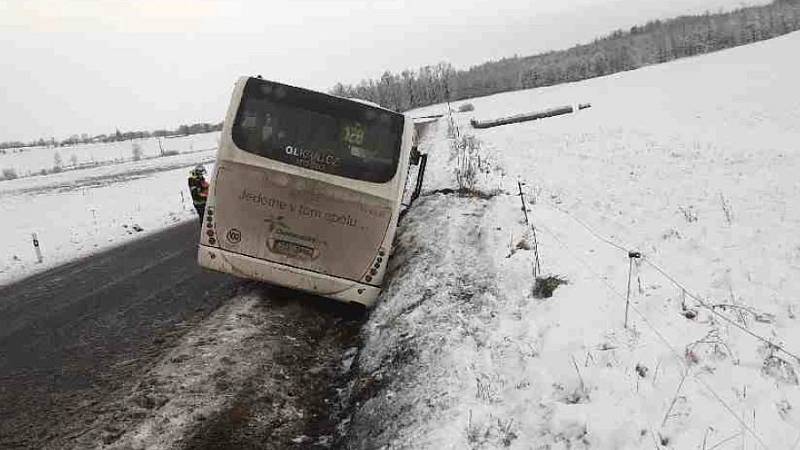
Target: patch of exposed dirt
x=289, y=399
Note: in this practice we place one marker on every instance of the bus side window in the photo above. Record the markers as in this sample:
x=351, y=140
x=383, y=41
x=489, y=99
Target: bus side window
x=250, y=129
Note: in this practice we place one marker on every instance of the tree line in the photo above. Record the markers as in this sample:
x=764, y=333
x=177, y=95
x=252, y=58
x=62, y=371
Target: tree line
x=655, y=42
x=84, y=138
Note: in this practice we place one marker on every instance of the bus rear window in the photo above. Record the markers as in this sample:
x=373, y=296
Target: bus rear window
x=318, y=131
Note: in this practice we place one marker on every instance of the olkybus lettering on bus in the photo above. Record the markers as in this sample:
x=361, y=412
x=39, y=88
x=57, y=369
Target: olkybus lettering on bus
x=311, y=155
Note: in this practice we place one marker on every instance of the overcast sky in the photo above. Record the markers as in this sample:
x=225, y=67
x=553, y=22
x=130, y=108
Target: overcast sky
x=73, y=66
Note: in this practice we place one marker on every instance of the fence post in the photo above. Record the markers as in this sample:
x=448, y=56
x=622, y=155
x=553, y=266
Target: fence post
x=537, y=265
x=631, y=257
x=522, y=199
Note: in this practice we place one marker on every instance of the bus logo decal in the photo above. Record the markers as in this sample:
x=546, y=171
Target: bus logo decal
x=312, y=156
x=234, y=236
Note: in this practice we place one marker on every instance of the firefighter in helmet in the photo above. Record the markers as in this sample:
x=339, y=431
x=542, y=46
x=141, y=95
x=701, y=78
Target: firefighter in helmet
x=198, y=186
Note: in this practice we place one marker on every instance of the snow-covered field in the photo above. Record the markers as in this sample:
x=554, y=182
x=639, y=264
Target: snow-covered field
x=31, y=161
x=694, y=164
x=78, y=212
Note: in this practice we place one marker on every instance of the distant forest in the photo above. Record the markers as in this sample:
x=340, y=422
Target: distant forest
x=655, y=42
x=183, y=130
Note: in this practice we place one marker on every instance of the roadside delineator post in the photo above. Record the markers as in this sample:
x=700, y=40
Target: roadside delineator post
x=36, y=247
x=631, y=256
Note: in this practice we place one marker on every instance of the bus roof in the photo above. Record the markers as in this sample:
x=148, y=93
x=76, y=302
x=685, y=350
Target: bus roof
x=244, y=79
x=366, y=102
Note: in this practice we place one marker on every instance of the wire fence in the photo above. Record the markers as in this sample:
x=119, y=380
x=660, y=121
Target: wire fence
x=673, y=279
x=659, y=334
x=646, y=259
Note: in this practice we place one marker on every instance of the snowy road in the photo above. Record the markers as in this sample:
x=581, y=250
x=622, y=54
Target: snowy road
x=109, y=349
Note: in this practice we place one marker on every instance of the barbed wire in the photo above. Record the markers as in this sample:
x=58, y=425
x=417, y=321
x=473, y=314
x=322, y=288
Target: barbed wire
x=647, y=259
x=681, y=361
x=713, y=310
x=592, y=231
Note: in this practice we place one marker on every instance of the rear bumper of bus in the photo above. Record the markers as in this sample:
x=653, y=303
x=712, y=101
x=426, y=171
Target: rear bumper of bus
x=315, y=283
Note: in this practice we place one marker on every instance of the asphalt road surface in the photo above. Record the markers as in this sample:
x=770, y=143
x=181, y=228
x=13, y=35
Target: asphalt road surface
x=75, y=339
x=70, y=336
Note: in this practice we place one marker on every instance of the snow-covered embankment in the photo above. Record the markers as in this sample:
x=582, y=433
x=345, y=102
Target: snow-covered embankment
x=691, y=163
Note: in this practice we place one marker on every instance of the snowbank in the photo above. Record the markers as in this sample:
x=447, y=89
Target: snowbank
x=691, y=163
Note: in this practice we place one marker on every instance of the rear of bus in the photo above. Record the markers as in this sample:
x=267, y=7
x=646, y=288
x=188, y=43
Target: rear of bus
x=306, y=191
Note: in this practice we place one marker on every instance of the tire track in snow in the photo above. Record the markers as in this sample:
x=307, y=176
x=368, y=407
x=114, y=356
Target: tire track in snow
x=183, y=386
x=253, y=374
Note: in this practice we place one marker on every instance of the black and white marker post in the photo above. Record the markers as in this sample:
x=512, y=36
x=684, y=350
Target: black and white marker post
x=36, y=247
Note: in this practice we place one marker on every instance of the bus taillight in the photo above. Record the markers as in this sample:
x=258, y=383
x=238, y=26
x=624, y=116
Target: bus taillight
x=210, y=230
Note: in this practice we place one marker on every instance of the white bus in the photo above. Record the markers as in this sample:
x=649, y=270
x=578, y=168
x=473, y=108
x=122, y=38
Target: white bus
x=306, y=191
